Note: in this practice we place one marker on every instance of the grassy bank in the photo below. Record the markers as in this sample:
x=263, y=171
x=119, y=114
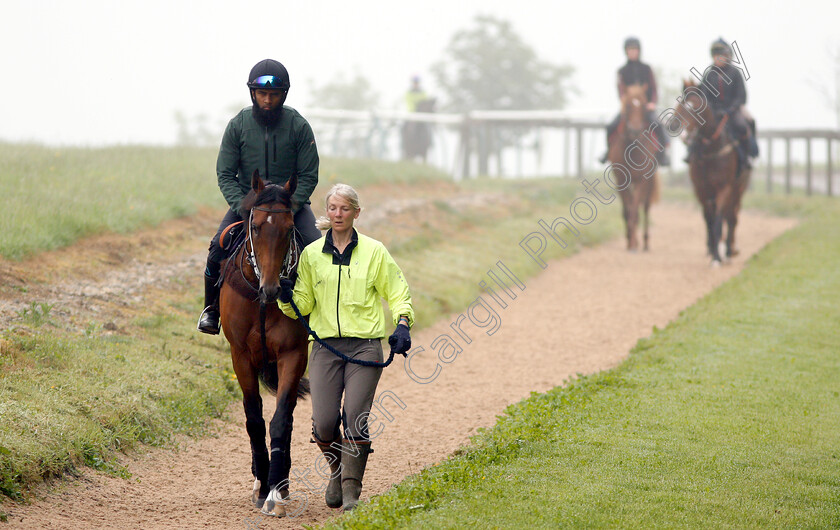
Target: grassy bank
x=729, y=417
x=55, y=196
x=71, y=398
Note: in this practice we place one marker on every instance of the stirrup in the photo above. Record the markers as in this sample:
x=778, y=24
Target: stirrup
x=208, y=322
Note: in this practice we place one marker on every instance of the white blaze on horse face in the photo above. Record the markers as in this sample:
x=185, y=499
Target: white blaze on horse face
x=269, y=220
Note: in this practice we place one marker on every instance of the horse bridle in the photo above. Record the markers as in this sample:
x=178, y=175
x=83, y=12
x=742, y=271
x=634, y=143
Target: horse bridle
x=292, y=254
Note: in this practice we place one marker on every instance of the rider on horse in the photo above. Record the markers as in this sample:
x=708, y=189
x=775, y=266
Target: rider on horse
x=635, y=72
x=727, y=94
x=277, y=141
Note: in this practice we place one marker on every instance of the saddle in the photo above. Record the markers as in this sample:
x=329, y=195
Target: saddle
x=231, y=240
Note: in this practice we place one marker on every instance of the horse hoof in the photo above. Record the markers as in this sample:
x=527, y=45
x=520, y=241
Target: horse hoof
x=274, y=505
x=715, y=264
x=255, y=494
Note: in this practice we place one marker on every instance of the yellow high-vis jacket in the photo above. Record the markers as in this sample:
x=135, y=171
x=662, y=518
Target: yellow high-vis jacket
x=342, y=293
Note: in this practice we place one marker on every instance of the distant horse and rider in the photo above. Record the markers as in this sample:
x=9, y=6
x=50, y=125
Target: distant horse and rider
x=636, y=143
x=721, y=140
x=717, y=175
x=632, y=150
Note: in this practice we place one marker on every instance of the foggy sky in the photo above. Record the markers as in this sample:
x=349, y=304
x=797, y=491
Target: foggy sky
x=101, y=72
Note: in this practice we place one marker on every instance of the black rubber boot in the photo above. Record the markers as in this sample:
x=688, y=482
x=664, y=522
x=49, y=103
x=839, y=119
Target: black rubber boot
x=353, y=462
x=333, y=493
x=208, y=322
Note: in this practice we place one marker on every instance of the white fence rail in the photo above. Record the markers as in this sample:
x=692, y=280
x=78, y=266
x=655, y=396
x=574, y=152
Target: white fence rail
x=556, y=143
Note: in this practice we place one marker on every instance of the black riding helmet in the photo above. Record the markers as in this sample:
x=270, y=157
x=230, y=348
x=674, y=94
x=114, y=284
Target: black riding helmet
x=632, y=42
x=268, y=74
x=720, y=47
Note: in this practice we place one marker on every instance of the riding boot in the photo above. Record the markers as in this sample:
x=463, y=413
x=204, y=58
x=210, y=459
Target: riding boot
x=663, y=159
x=333, y=456
x=353, y=463
x=753, y=144
x=604, y=157
x=688, y=151
x=744, y=149
x=208, y=322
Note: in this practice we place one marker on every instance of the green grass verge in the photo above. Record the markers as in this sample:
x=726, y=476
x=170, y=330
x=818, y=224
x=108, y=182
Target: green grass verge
x=68, y=401
x=55, y=196
x=729, y=417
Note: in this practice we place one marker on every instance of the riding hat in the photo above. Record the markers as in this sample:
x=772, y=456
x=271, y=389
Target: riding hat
x=269, y=74
x=721, y=47
x=632, y=42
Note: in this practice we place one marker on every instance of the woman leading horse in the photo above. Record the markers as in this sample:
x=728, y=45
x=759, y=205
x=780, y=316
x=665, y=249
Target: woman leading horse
x=342, y=280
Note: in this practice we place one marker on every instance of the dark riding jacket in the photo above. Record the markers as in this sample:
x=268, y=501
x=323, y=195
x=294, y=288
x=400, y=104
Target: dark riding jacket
x=637, y=73
x=730, y=88
x=277, y=152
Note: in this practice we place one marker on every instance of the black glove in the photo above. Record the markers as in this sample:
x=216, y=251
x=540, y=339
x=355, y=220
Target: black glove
x=400, y=341
x=286, y=287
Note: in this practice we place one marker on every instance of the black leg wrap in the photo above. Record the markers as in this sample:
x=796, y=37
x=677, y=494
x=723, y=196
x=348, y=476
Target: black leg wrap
x=259, y=453
x=281, y=439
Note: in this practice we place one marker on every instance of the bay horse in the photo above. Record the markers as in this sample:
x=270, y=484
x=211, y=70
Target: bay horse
x=265, y=344
x=718, y=181
x=635, y=150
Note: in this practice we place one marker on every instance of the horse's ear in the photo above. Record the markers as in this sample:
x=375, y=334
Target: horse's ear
x=291, y=184
x=257, y=183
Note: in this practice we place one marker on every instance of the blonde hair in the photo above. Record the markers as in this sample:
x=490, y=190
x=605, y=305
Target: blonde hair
x=343, y=191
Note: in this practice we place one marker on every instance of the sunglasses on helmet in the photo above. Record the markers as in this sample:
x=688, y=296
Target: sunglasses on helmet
x=267, y=81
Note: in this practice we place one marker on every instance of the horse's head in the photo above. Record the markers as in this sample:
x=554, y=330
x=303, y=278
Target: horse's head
x=271, y=233
x=633, y=108
x=692, y=110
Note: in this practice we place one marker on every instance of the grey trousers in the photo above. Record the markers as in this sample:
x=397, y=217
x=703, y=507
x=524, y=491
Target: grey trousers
x=330, y=377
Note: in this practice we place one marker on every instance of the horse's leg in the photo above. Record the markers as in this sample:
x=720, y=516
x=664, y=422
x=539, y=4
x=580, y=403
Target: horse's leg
x=733, y=211
x=720, y=202
x=254, y=423
x=647, y=201
x=290, y=368
x=630, y=212
x=709, y=216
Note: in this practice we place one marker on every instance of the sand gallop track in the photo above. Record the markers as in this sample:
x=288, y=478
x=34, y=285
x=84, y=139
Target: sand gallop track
x=581, y=315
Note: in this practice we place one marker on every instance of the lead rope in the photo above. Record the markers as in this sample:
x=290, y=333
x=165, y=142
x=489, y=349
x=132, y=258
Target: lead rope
x=340, y=355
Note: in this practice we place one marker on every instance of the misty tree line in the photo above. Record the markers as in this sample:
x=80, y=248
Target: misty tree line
x=486, y=66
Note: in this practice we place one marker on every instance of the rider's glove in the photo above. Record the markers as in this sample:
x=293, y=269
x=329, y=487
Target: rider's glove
x=400, y=340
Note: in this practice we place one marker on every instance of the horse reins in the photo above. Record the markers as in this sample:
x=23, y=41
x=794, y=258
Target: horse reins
x=718, y=131
x=289, y=265
x=289, y=262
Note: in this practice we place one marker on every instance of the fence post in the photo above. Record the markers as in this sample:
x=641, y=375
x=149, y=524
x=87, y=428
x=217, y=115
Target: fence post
x=828, y=166
x=808, y=165
x=567, y=152
x=579, y=151
x=465, y=147
x=787, y=165
x=770, y=165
